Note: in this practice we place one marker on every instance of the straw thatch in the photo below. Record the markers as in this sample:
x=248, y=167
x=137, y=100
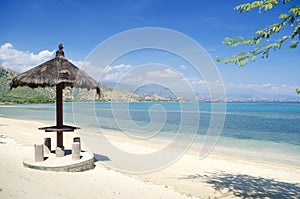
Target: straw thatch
x=53, y=72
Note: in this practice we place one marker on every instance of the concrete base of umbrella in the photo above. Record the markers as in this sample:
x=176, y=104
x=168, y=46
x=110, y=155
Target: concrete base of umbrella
x=72, y=162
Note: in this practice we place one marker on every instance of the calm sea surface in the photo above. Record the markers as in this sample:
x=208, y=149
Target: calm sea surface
x=259, y=127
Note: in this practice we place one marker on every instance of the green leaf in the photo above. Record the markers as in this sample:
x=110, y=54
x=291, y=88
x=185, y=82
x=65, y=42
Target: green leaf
x=258, y=47
x=295, y=10
x=284, y=1
x=218, y=59
x=239, y=38
x=256, y=4
x=291, y=21
x=294, y=44
x=265, y=35
x=298, y=91
x=283, y=16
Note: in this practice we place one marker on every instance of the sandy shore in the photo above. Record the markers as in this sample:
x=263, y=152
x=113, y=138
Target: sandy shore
x=212, y=177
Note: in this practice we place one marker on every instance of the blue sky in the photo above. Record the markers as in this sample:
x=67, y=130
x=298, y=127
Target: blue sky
x=31, y=31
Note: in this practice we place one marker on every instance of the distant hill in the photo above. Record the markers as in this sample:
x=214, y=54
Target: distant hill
x=21, y=94
x=154, y=89
x=149, y=92
x=4, y=72
x=47, y=95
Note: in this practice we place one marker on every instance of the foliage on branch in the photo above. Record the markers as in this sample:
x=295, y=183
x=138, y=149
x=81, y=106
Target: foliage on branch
x=289, y=19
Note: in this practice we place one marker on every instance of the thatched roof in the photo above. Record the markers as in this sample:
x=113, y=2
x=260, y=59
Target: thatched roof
x=55, y=71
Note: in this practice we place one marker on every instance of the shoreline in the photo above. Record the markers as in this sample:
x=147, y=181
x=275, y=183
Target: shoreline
x=245, y=151
x=187, y=177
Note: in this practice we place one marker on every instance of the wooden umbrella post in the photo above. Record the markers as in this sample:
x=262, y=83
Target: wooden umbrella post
x=59, y=105
x=60, y=127
x=59, y=119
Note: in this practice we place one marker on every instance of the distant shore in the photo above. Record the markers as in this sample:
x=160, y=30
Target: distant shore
x=162, y=101
x=190, y=176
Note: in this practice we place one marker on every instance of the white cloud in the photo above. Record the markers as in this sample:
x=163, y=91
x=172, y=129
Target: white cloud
x=267, y=88
x=117, y=68
x=167, y=73
x=123, y=67
x=112, y=76
x=266, y=85
x=21, y=61
x=141, y=74
x=198, y=82
x=183, y=67
x=81, y=64
x=89, y=68
x=114, y=73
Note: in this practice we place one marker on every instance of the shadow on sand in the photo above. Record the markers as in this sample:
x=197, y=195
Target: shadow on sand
x=98, y=157
x=246, y=186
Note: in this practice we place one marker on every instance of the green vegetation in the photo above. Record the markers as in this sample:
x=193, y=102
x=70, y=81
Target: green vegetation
x=23, y=95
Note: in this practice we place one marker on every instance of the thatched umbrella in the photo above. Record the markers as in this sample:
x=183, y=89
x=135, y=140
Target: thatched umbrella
x=61, y=73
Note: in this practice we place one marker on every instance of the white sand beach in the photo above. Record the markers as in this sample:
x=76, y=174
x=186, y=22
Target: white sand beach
x=189, y=177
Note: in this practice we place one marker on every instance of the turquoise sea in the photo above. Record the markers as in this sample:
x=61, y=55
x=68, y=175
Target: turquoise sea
x=260, y=131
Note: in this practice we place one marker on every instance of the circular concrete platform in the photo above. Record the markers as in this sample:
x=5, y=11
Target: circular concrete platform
x=53, y=163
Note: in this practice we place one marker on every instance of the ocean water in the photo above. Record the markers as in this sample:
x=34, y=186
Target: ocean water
x=253, y=130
